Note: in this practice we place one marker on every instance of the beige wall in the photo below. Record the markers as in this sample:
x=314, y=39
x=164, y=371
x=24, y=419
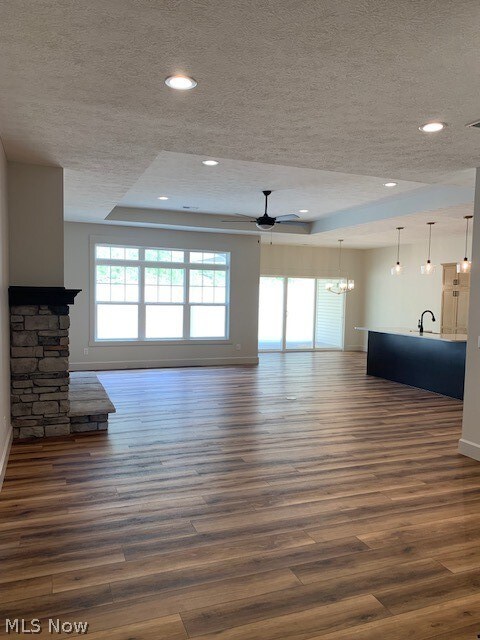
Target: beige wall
x=35, y=201
x=5, y=429
x=392, y=301
x=470, y=441
x=245, y=256
x=320, y=262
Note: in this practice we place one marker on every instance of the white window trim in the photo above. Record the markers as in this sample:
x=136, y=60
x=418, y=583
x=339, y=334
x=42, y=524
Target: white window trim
x=142, y=341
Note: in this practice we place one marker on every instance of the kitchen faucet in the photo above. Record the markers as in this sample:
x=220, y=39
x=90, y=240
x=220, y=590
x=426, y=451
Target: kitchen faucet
x=420, y=322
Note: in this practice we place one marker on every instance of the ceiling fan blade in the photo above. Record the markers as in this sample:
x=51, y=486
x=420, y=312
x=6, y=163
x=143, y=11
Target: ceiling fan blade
x=287, y=217
x=295, y=222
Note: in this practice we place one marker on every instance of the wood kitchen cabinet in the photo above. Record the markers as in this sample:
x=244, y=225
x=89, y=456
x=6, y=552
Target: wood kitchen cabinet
x=455, y=300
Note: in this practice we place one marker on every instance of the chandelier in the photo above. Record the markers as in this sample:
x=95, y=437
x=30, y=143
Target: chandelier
x=341, y=284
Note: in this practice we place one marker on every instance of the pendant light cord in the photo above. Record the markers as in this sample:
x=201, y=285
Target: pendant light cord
x=398, y=246
x=429, y=241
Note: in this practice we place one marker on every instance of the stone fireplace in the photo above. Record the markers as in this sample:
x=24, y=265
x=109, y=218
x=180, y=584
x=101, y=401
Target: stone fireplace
x=39, y=328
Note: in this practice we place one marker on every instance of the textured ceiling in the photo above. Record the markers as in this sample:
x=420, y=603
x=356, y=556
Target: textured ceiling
x=382, y=233
x=327, y=86
x=236, y=187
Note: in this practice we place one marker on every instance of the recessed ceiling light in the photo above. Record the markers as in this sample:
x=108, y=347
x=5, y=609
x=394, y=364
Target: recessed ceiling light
x=432, y=127
x=303, y=211
x=162, y=198
x=182, y=83
x=389, y=184
x=210, y=163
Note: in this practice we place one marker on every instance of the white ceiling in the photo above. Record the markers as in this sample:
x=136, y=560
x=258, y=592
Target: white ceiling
x=320, y=100
x=236, y=186
x=382, y=233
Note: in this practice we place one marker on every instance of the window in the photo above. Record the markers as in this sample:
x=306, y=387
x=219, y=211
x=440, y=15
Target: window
x=151, y=294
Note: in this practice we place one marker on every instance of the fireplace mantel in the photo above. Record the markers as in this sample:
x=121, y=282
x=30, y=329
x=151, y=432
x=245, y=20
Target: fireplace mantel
x=55, y=296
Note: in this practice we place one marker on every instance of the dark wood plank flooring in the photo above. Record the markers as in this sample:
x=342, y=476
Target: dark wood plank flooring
x=293, y=501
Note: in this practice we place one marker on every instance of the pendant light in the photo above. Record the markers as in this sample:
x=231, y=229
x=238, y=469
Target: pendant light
x=428, y=269
x=465, y=266
x=397, y=268
x=341, y=284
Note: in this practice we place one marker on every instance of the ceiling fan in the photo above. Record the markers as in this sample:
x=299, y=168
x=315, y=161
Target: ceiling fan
x=266, y=222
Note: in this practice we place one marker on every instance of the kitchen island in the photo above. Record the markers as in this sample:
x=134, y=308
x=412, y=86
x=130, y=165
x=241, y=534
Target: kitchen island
x=430, y=361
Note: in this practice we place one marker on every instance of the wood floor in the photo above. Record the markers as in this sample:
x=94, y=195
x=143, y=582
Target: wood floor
x=293, y=501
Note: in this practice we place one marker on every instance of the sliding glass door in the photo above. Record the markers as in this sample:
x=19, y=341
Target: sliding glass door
x=329, y=318
x=300, y=323
x=299, y=314
x=271, y=314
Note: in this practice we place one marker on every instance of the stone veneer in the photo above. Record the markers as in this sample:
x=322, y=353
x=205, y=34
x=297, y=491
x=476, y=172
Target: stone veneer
x=90, y=405
x=81, y=424
x=39, y=370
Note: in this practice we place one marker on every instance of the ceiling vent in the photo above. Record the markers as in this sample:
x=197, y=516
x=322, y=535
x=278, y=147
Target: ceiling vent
x=474, y=125
x=191, y=208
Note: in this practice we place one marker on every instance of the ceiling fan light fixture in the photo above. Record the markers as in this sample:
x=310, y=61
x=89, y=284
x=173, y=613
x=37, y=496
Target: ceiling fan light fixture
x=266, y=222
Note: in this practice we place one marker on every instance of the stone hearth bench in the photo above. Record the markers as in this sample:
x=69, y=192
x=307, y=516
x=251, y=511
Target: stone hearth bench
x=89, y=403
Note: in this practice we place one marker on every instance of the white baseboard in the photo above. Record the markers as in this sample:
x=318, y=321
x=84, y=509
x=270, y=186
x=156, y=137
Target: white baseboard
x=160, y=364
x=469, y=449
x=4, y=458
x=354, y=347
